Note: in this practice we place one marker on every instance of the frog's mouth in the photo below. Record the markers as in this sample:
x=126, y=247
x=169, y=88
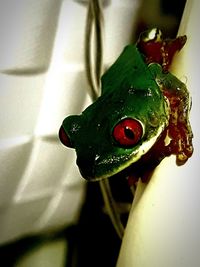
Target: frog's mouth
x=140, y=164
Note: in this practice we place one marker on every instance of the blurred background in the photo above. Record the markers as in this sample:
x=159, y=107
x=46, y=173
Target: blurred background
x=49, y=215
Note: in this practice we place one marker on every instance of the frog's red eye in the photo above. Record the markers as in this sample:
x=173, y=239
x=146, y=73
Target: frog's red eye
x=64, y=137
x=128, y=132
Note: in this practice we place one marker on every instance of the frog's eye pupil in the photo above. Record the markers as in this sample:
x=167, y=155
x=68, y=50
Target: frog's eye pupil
x=128, y=132
x=64, y=137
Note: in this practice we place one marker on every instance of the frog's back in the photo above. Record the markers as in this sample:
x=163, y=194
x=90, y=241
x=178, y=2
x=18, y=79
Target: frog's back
x=127, y=71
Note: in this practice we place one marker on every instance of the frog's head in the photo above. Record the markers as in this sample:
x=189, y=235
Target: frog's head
x=120, y=127
x=115, y=131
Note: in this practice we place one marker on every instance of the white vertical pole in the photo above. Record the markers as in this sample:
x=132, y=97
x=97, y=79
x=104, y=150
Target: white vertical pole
x=163, y=227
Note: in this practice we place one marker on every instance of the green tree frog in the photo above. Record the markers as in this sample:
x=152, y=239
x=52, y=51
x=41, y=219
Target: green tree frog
x=141, y=117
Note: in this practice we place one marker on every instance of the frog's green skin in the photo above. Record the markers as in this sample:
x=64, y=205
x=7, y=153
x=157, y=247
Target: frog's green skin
x=130, y=89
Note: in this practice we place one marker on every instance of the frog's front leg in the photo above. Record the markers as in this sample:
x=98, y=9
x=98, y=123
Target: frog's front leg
x=179, y=129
